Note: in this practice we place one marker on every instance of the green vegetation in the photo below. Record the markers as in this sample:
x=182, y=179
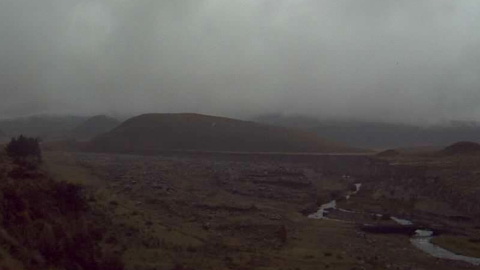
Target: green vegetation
x=44, y=223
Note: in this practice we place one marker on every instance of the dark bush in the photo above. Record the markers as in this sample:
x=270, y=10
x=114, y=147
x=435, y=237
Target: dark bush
x=69, y=197
x=474, y=240
x=21, y=173
x=386, y=217
x=23, y=147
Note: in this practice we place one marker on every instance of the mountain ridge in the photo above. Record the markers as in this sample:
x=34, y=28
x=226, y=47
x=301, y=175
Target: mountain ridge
x=379, y=135
x=197, y=132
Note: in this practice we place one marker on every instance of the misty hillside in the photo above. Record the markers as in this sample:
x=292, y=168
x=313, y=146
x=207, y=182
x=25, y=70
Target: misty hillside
x=45, y=127
x=149, y=133
x=93, y=127
x=378, y=134
x=3, y=137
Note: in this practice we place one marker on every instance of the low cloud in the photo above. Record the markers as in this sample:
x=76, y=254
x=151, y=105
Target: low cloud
x=403, y=61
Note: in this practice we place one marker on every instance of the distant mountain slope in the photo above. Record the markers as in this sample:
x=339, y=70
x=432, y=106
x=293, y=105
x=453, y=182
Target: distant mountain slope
x=150, y=133
x=45, y=127
x=388, y=153
x=379, y=135
x=3, y=137
x=93, y=127
x=462, y=148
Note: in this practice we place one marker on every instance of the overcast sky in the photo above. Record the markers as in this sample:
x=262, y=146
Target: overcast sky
x=390, y=60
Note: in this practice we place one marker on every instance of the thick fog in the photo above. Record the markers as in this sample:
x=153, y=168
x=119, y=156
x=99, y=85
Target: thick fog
x=409, y=60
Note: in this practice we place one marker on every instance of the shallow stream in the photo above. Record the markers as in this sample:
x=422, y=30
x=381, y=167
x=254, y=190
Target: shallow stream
x=320, y=214
x=421, y=240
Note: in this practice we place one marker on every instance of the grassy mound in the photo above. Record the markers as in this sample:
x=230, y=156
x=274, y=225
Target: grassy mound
x=151, y=133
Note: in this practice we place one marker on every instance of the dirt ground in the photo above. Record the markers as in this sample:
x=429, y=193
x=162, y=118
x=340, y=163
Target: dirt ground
x=250, y=212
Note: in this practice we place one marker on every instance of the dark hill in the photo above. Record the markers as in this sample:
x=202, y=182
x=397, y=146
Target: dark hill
x=151, y=133
x=93, y=127
x=462, y=148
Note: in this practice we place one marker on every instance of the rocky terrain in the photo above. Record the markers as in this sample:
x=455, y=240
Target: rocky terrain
x=239, y=211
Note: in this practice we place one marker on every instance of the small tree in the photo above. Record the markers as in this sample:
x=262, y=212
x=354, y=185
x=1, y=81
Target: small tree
x=23, y=147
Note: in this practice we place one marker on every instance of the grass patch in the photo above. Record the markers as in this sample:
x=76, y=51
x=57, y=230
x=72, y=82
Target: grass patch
x=459, y=245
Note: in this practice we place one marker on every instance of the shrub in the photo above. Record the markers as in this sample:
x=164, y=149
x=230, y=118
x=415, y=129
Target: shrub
x=23, y=147
x=22, y=173
x=386, y=217
x=69, y=197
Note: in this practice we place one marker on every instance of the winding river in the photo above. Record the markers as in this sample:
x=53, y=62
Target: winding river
x=421, y=240
x=320, y=214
